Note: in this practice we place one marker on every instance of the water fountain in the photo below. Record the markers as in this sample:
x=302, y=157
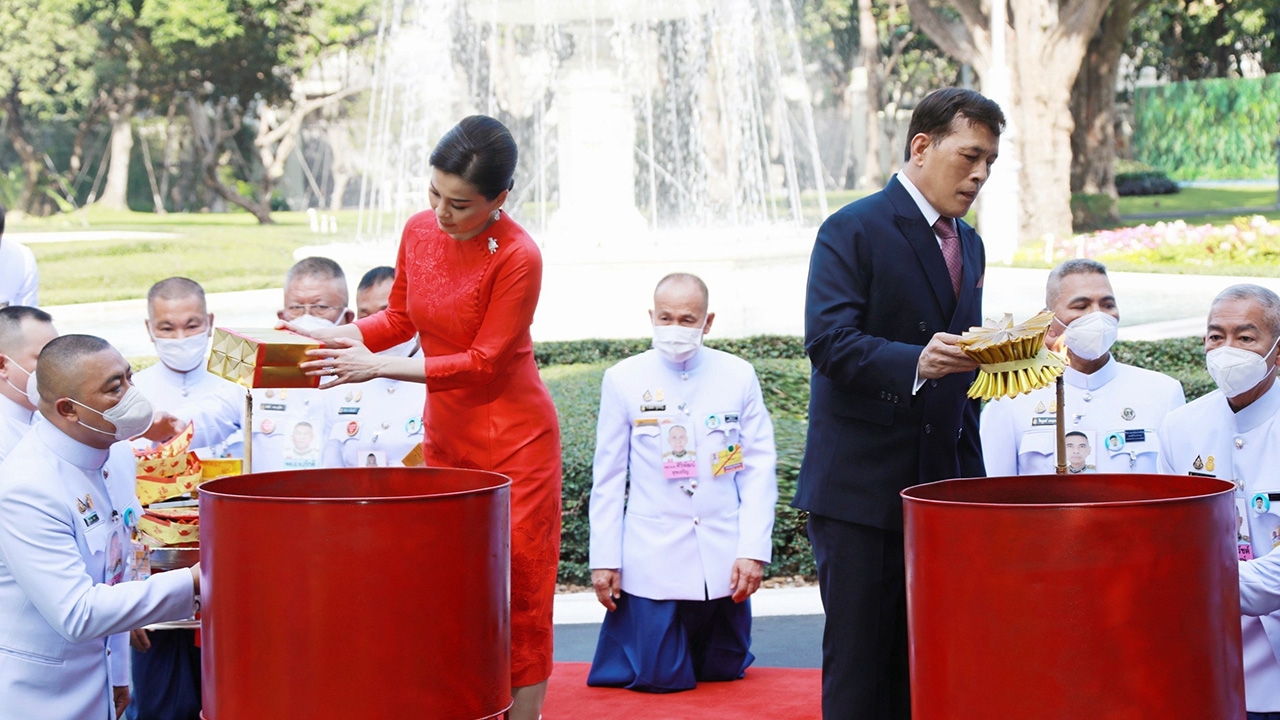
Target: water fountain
x=630, y=114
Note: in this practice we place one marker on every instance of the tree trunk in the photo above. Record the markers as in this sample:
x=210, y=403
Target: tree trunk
x=211, y=134
x=1044, y=68
x=115, y=194
x=29, y=201
x=1046, y=47
x=869, y=47
x=1093, y=104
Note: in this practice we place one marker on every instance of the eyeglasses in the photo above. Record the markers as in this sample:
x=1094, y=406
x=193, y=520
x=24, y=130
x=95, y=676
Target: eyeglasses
x=317, y=310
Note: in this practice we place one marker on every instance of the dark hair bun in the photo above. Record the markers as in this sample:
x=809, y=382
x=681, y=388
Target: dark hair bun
x=481, y=151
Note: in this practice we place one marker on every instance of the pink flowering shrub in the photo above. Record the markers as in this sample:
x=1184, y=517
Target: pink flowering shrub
x=1245, y=241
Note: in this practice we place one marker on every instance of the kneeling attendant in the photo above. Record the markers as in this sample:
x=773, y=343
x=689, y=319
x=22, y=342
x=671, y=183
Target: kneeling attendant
x=688, y=427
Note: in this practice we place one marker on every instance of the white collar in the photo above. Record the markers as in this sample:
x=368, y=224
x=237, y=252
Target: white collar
x=71, y=450
x=14, y=411
x=1258, y=411
x=931, y=215
x=1094, y=380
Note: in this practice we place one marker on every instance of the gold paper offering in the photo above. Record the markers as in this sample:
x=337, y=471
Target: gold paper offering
x=261, y=357
x=1012, y=359
x=167, y=471
x=173, y=526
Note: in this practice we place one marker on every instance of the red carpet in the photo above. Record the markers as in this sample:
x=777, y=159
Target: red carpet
x=773, y=693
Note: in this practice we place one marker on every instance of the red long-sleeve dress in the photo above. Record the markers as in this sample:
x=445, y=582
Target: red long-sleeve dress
x=487, y=407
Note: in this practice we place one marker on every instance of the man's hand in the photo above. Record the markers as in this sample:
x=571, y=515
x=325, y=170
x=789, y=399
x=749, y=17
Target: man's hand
x=608, y=587
x=746, y=577
x=139, y=641
x=120, y=695
x=164, y=427
x=942, y=357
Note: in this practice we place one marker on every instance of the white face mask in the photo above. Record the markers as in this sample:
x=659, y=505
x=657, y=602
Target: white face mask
x=33, y=390
x=182, y=354
x=311, y=322
x=131, y=416
x=1236, y=370
x=677, y=343
x=1091, y=336
x=27, y=386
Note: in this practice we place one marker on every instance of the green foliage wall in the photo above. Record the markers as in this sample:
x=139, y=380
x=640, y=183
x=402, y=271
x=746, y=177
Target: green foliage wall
x=573, y=371
x=1209, y=129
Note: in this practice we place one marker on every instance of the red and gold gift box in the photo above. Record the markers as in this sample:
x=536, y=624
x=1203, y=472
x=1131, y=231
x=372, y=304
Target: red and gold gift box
x=262, y=357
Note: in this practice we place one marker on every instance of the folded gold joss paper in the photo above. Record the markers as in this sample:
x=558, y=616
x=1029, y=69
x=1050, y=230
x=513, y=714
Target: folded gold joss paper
x=1012, y=359
x=261, y=357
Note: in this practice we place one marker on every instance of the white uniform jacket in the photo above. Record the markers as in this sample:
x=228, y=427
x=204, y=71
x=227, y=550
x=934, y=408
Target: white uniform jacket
x=216, y=406
x=15, y=421
x=381, y=417
x=1119, y=408
x=675, y=540
x=278, y=444
x=1206, y=438
x=63, y=628
x=19, y=278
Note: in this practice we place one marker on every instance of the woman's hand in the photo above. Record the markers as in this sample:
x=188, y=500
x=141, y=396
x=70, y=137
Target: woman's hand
x=323, y=334
x=343, y=360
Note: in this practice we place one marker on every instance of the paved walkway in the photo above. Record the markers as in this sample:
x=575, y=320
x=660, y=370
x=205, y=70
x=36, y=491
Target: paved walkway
x=757, y=287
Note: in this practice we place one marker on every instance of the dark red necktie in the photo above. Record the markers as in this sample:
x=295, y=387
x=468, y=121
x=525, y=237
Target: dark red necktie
x=946, y=230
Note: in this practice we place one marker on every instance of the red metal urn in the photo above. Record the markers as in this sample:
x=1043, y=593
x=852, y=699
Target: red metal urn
x=1067, y=597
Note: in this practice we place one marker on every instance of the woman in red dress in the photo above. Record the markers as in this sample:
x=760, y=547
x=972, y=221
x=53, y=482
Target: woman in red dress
x=467, y=283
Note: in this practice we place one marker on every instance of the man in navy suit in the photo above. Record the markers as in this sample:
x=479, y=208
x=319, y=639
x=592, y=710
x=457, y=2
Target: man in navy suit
x=894, y=279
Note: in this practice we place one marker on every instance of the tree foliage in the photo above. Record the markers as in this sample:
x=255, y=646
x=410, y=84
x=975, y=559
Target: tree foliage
x=1198, y=39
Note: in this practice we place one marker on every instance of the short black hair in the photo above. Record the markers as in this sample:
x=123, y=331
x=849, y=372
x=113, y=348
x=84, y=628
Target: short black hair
x=59, y=361
x=1, y=218
x=376, y=277
x=935, y=112
x=481, y=151
x=1077, y=432
x=11, y=319
x=175, y=288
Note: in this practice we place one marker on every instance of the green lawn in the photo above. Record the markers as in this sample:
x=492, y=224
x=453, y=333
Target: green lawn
x=1196, y=199
x=222, y=251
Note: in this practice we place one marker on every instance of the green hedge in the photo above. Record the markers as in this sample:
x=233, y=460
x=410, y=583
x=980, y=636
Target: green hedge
x=784, y=378
x=1209, y=129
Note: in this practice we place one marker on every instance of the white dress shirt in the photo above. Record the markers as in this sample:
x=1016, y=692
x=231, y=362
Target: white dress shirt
x=19, y=279
x=15, y=421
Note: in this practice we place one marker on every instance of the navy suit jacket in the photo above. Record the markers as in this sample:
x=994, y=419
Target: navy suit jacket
x=878, y=290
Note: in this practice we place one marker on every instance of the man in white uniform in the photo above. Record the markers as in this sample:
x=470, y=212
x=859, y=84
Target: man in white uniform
x=1116, y=408
x=166, y=663
x=180, y=326
x=315, y=295
x=1230, y=434
x=676, y=566
x=375, y=423
x=24, y=331
x=67, y=505
x=19, y=279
